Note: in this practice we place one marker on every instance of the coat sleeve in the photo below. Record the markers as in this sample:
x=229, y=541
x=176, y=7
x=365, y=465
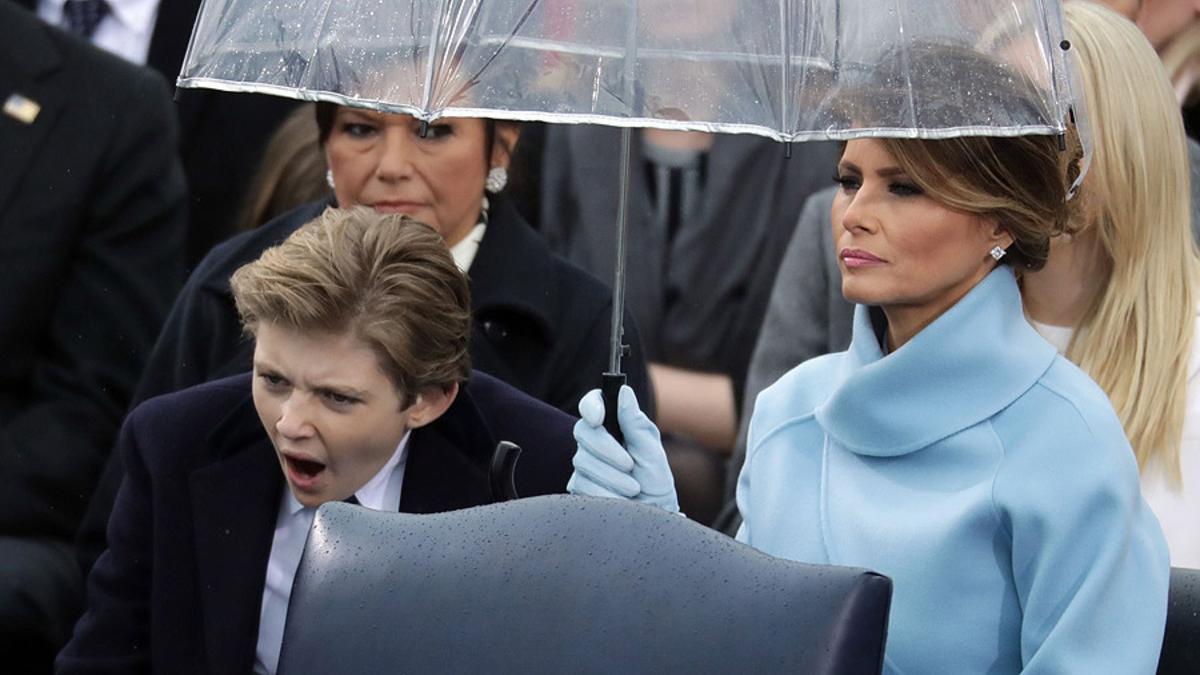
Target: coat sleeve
x=114, y=633
x=1088, y=558
x=115, y=290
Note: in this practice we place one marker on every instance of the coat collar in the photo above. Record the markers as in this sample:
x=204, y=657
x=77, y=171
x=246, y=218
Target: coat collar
x=26, y=47
x=448, y=461
x=970, y=363
x=514, y=269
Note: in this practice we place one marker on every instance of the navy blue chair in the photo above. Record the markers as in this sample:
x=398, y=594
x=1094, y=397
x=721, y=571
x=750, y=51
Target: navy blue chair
x=1181, y=643
x=568, y=584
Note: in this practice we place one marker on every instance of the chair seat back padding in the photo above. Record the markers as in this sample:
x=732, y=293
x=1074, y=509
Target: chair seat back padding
x=568, y=584
x=1181, y=643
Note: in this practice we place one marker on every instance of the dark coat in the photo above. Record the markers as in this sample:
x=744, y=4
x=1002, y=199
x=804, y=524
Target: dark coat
x=223, y=134
x=92, y=212
x=539, y=324
x=180, y=588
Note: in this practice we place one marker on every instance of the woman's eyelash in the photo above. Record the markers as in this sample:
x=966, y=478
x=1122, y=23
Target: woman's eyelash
x=845, y=181
x=906, y=189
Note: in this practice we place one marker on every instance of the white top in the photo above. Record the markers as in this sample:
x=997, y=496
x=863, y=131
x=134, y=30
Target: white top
x=1177, y=508
x=381, y=493
x=465, y=250
x=125, y=31
x=1059, y=336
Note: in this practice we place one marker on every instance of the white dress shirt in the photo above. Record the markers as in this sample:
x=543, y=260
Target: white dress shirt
x=381, y=493
x=464, y=251
x=124, y=31
x=1176, y=506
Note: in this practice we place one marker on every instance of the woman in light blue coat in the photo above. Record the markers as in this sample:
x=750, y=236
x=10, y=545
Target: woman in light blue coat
x=950, y=447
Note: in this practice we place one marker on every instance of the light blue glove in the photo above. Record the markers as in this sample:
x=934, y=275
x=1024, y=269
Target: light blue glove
x=638, y=471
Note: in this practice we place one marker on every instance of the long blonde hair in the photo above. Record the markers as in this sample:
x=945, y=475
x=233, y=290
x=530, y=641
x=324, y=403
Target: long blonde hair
x=1135, y=338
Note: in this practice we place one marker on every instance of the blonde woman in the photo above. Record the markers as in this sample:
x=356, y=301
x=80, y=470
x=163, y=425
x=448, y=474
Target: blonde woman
x=1119, y=296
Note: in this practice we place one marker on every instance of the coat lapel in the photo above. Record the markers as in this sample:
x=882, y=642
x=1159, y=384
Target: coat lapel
x=28, y=62
x=235, y=502
x=448, y=461
x=513, y=271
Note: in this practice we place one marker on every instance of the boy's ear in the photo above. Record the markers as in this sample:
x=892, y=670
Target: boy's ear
x=431, y=403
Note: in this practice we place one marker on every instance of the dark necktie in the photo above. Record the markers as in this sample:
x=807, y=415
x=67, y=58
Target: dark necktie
x=352, y=499
x=82, y=16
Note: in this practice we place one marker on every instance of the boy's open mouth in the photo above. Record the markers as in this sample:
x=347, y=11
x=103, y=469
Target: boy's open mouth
x=303, y=469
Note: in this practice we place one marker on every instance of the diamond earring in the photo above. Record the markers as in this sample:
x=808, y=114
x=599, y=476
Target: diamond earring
x=997, y=253
x=497, y=178
x=329, y=178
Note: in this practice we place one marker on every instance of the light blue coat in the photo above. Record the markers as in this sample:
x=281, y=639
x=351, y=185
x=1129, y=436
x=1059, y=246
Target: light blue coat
x=984, y=473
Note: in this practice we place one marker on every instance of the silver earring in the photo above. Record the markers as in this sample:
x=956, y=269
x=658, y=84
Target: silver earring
x=997, y=253
x=329, y=178
x=497, y=178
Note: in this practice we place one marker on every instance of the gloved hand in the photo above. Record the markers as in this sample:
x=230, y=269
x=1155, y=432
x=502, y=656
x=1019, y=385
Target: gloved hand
x=638, y=471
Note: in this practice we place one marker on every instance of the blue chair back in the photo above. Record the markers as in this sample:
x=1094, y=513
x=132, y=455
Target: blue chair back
x=568, y=584
x=1181, y=643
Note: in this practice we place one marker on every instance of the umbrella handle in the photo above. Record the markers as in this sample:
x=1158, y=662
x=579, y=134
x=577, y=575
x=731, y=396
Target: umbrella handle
x=500, y=474
x=610, y=386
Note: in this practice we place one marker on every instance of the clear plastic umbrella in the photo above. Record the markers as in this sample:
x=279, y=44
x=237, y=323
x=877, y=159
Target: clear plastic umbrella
x=767, y=67
x=791, y=70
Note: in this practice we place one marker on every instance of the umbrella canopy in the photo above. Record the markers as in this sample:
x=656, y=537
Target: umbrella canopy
x=791, y=70
x=784, y=69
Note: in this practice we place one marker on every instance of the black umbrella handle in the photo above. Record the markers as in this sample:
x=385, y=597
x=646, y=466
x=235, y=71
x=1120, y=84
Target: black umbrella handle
x=500, y=474
x=610, y=386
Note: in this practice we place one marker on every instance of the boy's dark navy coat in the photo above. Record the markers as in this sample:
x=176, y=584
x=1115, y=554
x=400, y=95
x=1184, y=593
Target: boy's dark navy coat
x=180, y=587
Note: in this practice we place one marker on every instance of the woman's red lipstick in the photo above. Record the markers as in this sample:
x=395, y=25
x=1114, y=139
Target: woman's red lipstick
x=855, y=258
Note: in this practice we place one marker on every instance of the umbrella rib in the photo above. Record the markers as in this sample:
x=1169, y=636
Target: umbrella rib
x=427, y=94
x=317, y=45
x=474, y=79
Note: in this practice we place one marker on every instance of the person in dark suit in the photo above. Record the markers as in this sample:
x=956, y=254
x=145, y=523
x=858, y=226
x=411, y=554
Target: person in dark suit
x=92, y=218
x=359, y=391
x=540, y=323
x=223, y=135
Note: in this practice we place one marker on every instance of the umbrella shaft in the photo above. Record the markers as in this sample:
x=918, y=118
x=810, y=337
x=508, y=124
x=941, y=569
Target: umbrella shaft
x=616, y=347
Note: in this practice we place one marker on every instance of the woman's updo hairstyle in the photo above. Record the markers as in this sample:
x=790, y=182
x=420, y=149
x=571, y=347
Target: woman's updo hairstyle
x=1020, y=181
